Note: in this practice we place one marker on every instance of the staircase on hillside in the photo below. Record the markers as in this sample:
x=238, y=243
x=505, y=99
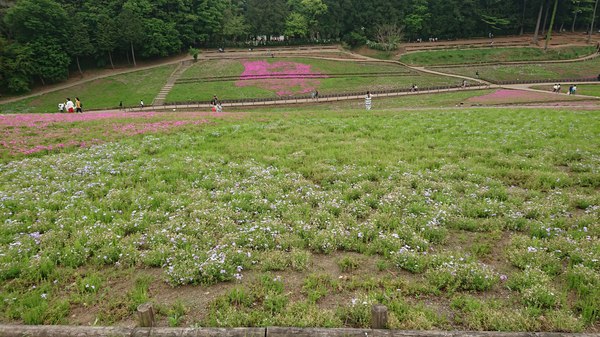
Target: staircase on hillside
x=162, y=94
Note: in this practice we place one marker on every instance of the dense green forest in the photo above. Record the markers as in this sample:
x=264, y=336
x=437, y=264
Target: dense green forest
x=42, y=41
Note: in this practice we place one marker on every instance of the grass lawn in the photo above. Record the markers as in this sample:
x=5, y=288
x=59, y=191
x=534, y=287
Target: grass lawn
x=545, y=71
x=99, y=94
x=439, y=100
x=456, y=219
x=264, y=88
x=587, y=89
x=485, y=55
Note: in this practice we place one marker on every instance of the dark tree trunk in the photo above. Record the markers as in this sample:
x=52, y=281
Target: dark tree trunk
x=133, y=55
x=546, y=17
x=537, y=25
x=549, y=36
x=79, y=66
x=111, y=61
x=523, y=17
x=592, y=24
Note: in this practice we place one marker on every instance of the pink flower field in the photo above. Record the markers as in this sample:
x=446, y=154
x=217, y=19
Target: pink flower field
x=285, y=78
x=28, y=134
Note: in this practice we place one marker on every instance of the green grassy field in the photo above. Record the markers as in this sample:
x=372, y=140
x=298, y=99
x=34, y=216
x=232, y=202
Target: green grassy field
x=491, y=55
x=456, y=219
x=545, y=71
x=436, y=100
x=102, y=93
x=587, y=89
x=203, y=91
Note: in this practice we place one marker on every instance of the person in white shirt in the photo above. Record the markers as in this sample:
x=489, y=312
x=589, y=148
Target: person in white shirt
x=70, y=106
x=368, y=101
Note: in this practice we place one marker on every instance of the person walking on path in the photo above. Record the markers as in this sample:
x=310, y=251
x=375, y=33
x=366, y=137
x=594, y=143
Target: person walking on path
x=120, y=105
x=78, y=105
x=69, y=105
x=141, y=104
x=368, y=101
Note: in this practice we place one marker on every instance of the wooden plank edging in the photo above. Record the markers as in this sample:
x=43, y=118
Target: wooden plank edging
x=90, y=331
x=318, y=332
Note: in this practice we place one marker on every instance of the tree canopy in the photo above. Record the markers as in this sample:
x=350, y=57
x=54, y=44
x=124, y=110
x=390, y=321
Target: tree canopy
x=43, y=41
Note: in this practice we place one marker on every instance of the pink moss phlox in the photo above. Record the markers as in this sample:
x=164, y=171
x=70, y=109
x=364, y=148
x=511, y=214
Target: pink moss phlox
x=512, y=96
x=141, y=128
x=285, y=78
x=17, y=140
x=42, y=120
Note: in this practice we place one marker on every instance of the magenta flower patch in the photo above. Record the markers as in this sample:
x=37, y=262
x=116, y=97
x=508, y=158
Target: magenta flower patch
x=507, y=96
x=285, y=78
x=28, y=134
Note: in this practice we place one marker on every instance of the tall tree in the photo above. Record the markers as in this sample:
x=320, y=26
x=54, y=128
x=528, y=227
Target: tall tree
x=130, y=22
x=310, y=10
x=266, y=17
x=160, y=38
x=549, y=35
x=415, y=21
x=81, y=44
x=234, y=22
x=107, y=36
x=38, y=25
x=296, y=25
x=591, y=31
x=210, y=19
x=523, y=17
x=539, y=19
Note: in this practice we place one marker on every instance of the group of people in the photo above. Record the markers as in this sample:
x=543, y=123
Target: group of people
x=215, y=104
x=572, y=89
x=69, y=106
x=431, y=39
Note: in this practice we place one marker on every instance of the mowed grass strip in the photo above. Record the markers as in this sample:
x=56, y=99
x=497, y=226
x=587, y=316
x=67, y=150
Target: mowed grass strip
x=458, y=219
x=529, y=72
x=102, y=93
x=491, y=55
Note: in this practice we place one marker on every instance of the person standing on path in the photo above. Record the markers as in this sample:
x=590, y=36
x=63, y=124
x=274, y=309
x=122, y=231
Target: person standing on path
x=120, y=105
x=141, y=104
x=69, y=105
x=368, y=101
x=78, y=105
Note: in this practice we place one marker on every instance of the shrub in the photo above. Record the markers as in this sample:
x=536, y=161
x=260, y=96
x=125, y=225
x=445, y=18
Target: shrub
x=462, y=275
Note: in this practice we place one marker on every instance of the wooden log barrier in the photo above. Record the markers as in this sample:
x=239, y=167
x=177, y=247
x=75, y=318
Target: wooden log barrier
x=318, y=332
x=91, y=331
x=379, y=317
x=145, y=313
